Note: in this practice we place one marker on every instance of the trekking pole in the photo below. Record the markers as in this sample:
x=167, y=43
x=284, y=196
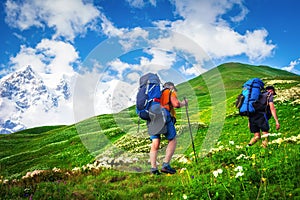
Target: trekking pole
x=187, y=115
x=139, y=125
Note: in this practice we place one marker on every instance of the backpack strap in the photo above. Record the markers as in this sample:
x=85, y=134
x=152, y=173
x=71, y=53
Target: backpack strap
x=268, y=98
x=169, y=102
x=249, y=96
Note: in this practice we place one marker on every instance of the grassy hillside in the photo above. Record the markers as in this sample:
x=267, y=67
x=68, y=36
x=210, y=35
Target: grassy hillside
x=106, y=157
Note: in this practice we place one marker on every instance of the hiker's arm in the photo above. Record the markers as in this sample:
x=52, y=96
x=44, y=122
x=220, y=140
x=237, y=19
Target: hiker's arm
x=273, y=111
x=176, y=103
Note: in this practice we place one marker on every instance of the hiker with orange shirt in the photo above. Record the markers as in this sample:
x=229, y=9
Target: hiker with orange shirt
x=168, y=102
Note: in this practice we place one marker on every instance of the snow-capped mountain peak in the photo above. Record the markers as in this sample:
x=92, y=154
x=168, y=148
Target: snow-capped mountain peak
x=30, y=99
x=24, y=92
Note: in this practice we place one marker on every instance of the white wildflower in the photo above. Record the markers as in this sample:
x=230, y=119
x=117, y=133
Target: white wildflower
x=217, y=172
x=184, y=196
x=231, y=142
x=239, y=168
x=182, y=170
x=274, y=134
x=28, y=174
x=183, y=160
x=239, y=174
x=273, y=82
x=242, y=156
x=76, y=169
x=220, y=148
x=278, y=141
x=36, y=172
x=55, y=169
x=90, y=166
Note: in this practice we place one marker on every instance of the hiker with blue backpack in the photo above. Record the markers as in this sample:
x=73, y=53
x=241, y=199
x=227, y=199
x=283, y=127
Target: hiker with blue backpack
x=259, y=107
x=259, y=120
x=168, y=102
x=156, y=106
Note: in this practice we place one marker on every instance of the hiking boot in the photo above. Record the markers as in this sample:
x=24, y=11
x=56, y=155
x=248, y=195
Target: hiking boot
x=248, y=145
x=168, y=169
x=155, y=172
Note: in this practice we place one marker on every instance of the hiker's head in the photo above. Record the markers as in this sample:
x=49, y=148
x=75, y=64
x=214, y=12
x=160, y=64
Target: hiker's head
x=170, y=86
x=271, y=89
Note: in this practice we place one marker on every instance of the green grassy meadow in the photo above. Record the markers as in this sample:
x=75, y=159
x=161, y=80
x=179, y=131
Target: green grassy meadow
x=107, y=156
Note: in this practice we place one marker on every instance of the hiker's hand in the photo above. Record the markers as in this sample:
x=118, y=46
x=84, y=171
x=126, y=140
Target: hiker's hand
x=185, y=101
x=277, y=126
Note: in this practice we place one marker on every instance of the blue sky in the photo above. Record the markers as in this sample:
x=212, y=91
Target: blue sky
x=68, y=36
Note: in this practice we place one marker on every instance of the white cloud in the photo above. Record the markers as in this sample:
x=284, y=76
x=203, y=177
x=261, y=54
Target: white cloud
x=34, y=115
x=68, y=19
x=136, y=3
x=60, y=55
x=113, y=96
x=210, y=12
x=162, y=59
x=242, y=15
x=21, y=16
x=131, y=38
x=292, y=66
x=7, y=108
x=92, y=96
x=140, y=3
x=190, y=70
x=48, y=57
x=152, y=2
x=83, y=97
x=133, y=76
x=203, y=22
x=128, y=38
x=109, y=29
x=202, y=33
x=205, y=32
x=28, y=56
x=20, y=37
x=257, y=46
x=159, y=47
x=130, y=73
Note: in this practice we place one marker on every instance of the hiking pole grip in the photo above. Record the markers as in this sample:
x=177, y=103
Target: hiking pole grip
x=185, y=101
x=190, y=128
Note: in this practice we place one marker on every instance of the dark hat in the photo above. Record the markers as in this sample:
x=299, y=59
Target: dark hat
x=270, y=87
x=168, y=84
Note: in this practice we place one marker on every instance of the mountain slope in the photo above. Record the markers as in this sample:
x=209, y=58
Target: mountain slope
x=113, y=128
x=72, y=146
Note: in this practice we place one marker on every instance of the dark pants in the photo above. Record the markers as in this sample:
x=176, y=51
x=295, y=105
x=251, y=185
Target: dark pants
x=259, y=122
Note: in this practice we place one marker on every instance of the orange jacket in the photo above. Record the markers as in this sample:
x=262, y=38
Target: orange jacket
x=169, y=101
